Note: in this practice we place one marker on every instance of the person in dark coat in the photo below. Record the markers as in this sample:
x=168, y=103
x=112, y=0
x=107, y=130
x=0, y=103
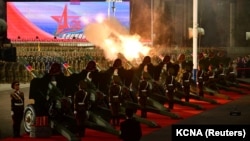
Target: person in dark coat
x=145, y=66
x=220, y=75
x=165, y=65
x=144, y=93
x=125, y=77
x=81, y=107
x=230, y=74
x=124, y=74
x=200, y=80
x=17, y=108
x=171, y=85
x=130, y=128
x=186, y=82
x=210, y=81
x=115, y=95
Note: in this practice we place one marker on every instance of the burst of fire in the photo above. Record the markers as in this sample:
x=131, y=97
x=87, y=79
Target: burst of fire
x=133, y=48
x=113, y=39
x=129, y=46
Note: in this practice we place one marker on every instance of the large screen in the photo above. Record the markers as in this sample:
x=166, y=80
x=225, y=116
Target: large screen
x=60, y=20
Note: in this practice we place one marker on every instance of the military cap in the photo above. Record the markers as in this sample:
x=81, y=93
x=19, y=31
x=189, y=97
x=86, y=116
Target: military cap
x=55, y=69
x=117, y=63
x=91, y=66
x=166, y=59
x=146, y=60
x=14, y=83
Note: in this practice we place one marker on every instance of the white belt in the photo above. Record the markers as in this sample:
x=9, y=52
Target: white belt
x=200, y=77
x=170, y=84
x=18, y=104
x=232, y=72
x=186, y=80
x=115, y=96
x=222, y=74
x=143, y=90
x=211, y=76
x=81, y=103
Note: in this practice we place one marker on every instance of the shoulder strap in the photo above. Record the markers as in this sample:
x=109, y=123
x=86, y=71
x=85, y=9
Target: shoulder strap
x=83, y=101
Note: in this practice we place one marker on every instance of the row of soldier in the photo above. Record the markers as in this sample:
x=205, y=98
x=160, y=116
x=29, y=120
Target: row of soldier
x=10, y=71
x=142, y=80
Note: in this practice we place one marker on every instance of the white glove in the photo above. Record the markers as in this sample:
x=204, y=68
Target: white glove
x=12, y=113
x=75, y=112
x=109, y=104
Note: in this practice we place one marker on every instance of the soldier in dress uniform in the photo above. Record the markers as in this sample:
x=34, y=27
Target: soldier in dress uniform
x=17, y=108
x=125, y=77
x=230, y=74
x=43, y=68
x=170, y=85
x=186, y=79
x=210, y=78
x=201, y=72
x=165, y=65
x=124, y=74
x=200, y=79
x=146, y=66
x=180, y=59
x=144, y=90
x=115, y=101
x=220, y=75
x=87, y=73
x=81, y=107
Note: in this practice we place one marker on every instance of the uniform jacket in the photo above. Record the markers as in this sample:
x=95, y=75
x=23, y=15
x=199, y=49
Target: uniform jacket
x=17, y=101
x=200, y=75
x=81, y=101
x=170, y=82
x=115, y=93
x=186, y=78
